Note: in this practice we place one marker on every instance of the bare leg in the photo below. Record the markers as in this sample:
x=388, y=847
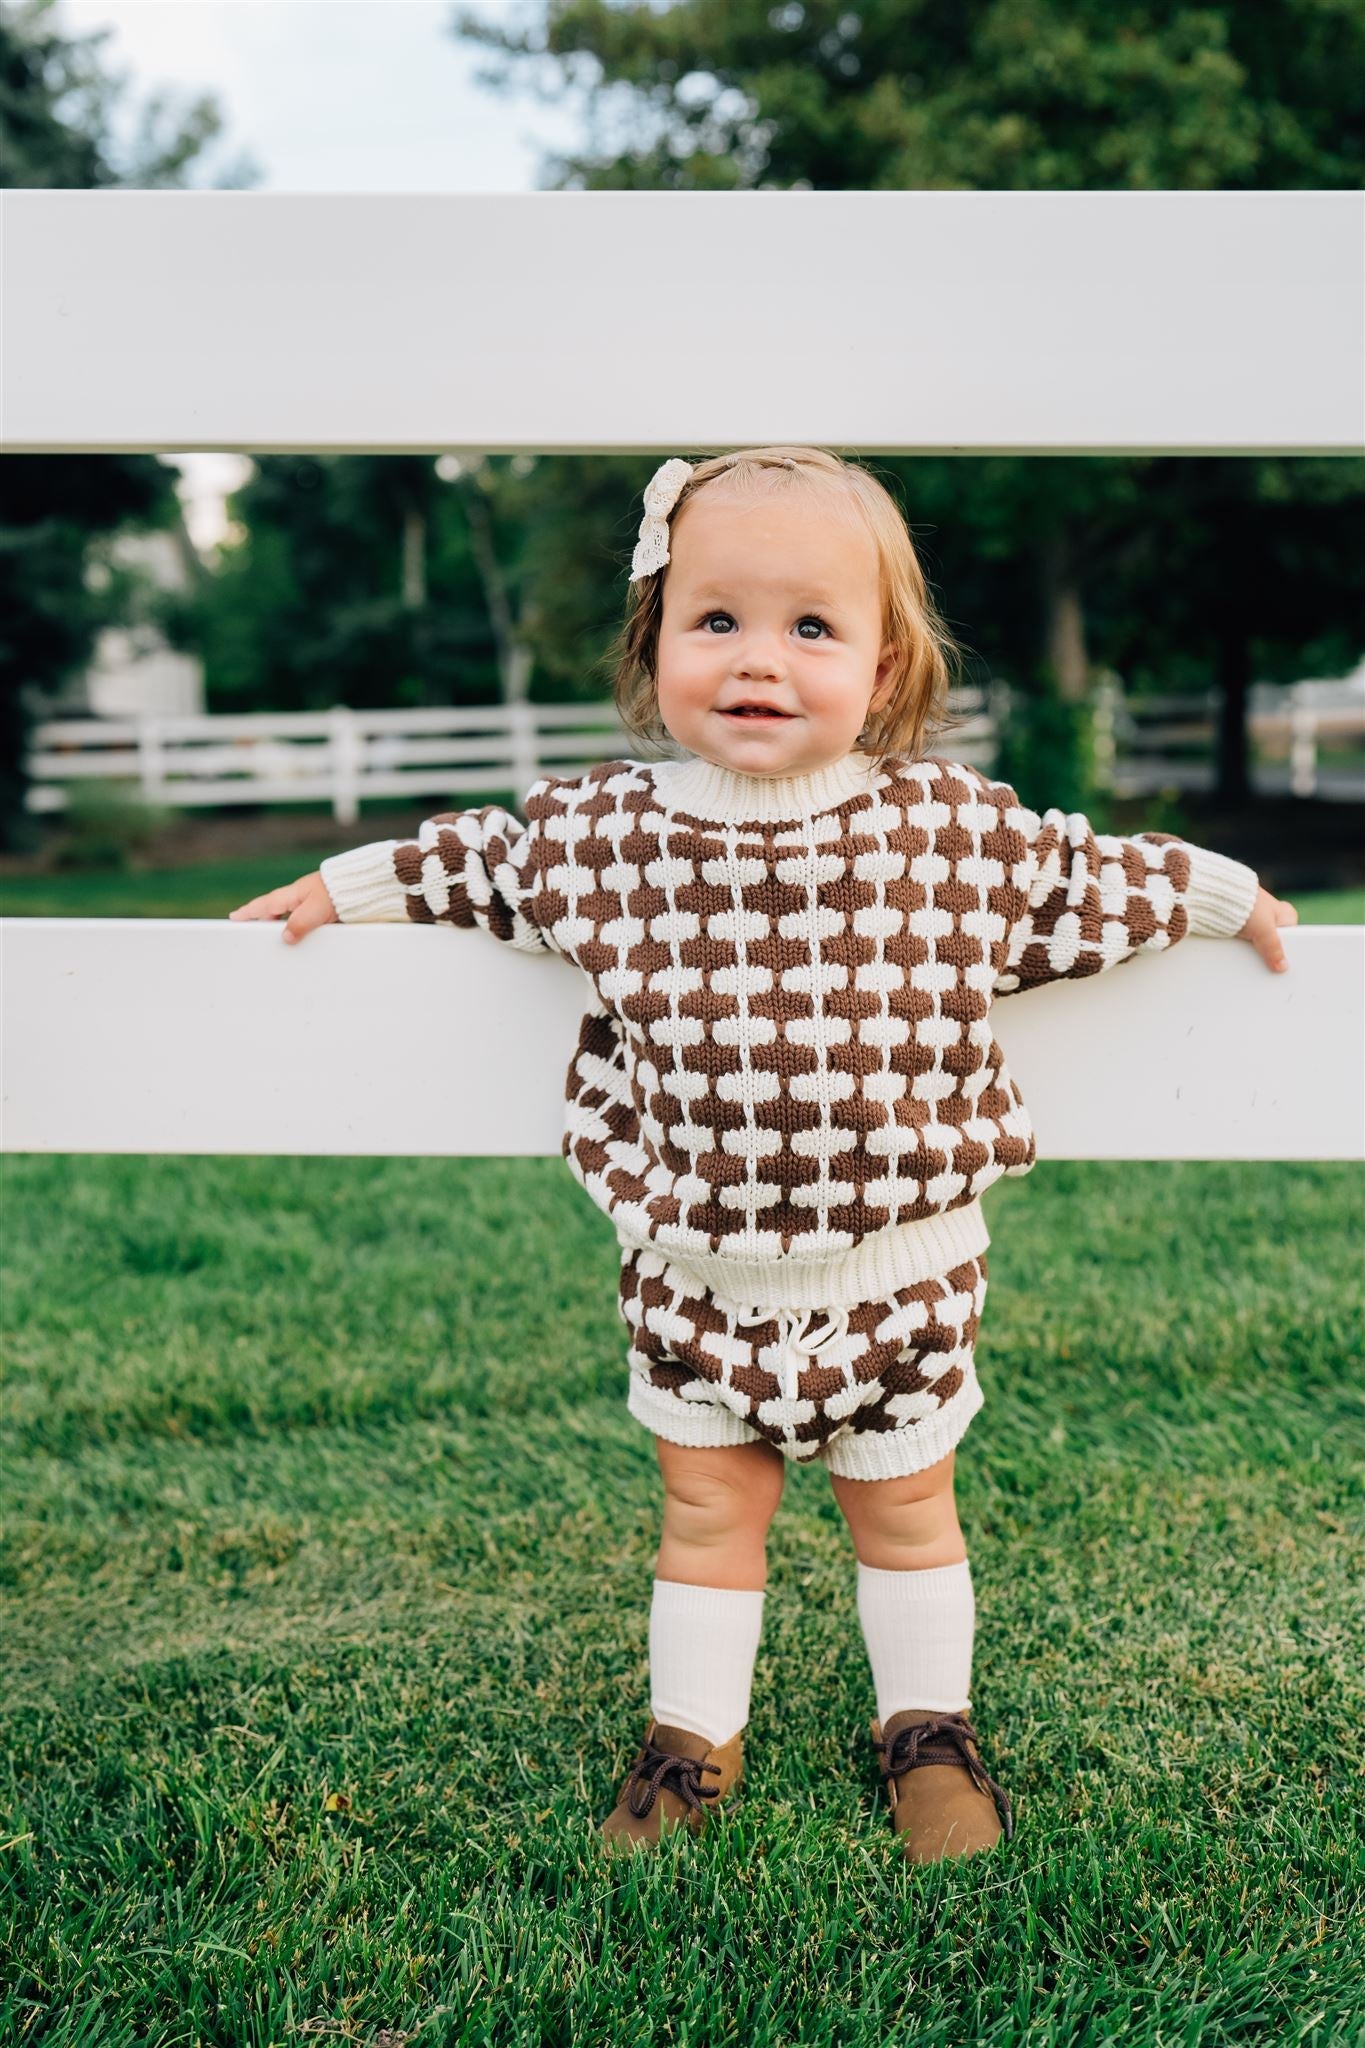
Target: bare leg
x=904, y=1524
x=718, y=1504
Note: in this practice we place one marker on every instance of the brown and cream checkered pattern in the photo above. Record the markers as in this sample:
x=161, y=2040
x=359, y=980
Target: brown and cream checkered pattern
x=788, y=1057
x=887, y=1389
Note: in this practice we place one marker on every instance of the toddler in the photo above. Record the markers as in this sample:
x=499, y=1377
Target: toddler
x=786, y=1093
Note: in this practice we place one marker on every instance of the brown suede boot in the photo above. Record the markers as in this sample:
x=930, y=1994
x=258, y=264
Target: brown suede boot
x=677, y=1780
x=943, y=1802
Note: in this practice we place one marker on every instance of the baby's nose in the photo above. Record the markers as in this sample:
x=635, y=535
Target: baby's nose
x=759, y=660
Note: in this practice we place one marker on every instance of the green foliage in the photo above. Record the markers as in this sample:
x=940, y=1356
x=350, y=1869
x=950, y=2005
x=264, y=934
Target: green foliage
x=309, y=607
x=58, y=108
x=104, y=822
x=56, y=506
x=1047, y=752
x=995, y=95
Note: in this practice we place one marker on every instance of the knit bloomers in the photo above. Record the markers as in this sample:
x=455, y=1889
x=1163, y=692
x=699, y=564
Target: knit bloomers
x=873, y=1391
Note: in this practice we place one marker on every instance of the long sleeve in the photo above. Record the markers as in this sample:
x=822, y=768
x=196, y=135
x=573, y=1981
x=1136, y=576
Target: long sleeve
x=1084, y=901
x=475, y=867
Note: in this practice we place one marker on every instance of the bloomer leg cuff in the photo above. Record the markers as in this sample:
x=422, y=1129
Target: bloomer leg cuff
x=699, y=1424
x=892, y=1453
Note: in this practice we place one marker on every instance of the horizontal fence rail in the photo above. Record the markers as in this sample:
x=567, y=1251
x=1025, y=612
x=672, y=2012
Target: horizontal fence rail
x=1305, y=739
x=1020, y=322
x=341, y=757
x=204, y=1036
x=1309, y=740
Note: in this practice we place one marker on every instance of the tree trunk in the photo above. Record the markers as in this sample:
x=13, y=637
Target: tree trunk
x=1234, y=681
x=196, y=574
x=516, y=668
x=1064, y=618
x=414, y=559
x=514, y=657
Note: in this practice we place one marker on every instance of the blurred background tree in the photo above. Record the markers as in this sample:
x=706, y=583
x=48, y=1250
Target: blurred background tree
x=945, y=95
x=402, y=580
x=57, y=107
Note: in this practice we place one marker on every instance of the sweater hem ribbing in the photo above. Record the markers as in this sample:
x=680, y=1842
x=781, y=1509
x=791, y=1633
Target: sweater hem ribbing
x=877, y=1267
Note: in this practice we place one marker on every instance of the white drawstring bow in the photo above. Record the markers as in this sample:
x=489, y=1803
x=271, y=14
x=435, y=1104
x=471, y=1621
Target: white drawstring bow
x=661, y=495
x=795, y=1347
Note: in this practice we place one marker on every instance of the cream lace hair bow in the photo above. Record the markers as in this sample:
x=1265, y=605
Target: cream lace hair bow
x=661, y=495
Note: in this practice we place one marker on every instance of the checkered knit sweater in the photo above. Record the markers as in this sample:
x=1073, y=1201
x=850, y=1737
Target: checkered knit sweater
x=786, y=1079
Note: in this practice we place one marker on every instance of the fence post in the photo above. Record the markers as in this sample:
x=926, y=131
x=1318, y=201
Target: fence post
x=998, y=712
x=151, y=763
x=1104, y=722
x=521, y=722
x=344, y=763
x=1303, y=744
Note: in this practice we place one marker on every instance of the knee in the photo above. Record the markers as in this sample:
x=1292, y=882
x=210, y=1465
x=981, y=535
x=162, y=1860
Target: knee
x=707, y=1502
x=890, y=1518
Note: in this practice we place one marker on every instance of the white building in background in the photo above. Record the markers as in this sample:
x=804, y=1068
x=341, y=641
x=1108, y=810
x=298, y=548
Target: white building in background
x=134, y=668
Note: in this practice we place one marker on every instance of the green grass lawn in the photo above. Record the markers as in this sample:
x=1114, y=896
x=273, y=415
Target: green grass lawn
x=328, y=1569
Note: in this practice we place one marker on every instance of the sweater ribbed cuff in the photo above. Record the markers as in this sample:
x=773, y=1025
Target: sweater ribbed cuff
x=1220, y=894
x=363, y=886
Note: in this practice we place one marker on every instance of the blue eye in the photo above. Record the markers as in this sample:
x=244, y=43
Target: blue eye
x=810, y=619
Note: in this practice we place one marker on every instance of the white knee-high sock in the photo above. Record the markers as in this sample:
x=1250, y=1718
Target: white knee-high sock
x=702, y=1644
x=918, y=1627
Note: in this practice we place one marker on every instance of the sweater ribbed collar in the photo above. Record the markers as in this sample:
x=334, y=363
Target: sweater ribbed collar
x=704, y=790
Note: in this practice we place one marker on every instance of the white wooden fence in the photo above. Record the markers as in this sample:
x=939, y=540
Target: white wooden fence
x=1022, y=322
x=189, y=1035
x=1307, y=739
x=343, y=757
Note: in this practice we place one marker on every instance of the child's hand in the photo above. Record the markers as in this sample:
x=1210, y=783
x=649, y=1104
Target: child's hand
x=305, y=903
x=1262, y=928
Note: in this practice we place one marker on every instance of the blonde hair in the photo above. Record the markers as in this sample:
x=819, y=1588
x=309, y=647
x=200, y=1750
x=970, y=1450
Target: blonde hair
x=926, y=654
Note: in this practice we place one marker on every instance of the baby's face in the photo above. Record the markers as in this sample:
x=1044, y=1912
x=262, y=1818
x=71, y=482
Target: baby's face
x=770, y=645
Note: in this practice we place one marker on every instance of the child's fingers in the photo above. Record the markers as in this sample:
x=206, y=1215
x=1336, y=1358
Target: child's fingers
x=1267, y=942
x=1268, y=945
x=275, y=903
x=313, y=910
x=305, y=904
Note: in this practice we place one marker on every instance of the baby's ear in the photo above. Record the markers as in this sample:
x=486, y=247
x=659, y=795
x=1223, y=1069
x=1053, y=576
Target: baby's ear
x=888, y=670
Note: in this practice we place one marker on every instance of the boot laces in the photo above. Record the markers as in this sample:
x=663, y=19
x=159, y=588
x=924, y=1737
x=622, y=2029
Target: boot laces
x=945, y=1739
x=654, y=1766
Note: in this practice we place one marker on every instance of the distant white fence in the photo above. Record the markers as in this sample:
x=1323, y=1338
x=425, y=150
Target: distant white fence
x=339, y=756
x=343, y=757
x=1307, y=739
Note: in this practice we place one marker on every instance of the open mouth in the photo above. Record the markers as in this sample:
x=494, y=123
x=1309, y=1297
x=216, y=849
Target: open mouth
x=757, y=711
